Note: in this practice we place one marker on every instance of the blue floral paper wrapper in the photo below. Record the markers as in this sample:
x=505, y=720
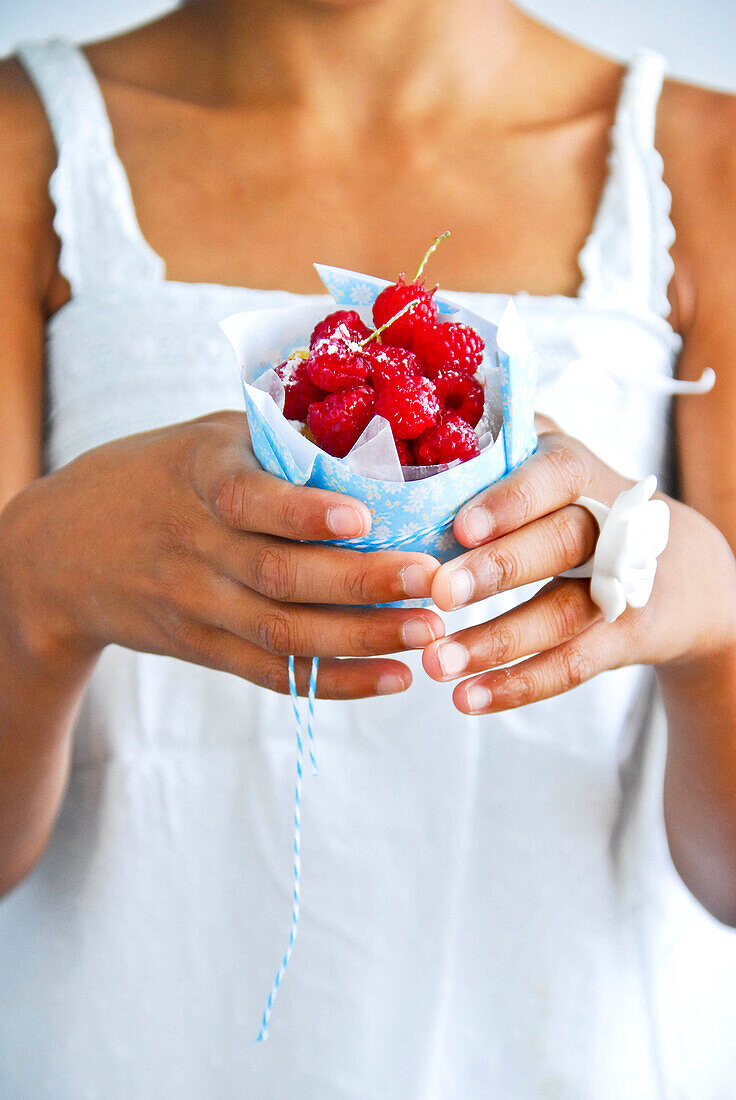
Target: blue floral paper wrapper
x=412, y=515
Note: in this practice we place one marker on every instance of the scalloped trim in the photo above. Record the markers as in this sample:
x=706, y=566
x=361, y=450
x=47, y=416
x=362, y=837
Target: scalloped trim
x=94, y=216
x=663, y=235
x=608, y=259
x=63, y=224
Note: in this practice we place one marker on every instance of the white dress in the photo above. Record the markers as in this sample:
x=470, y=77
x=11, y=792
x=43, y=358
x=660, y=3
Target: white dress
x=489, y=909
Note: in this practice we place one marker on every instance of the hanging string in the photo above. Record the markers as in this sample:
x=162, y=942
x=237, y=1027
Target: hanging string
x=310, y=712
x=263, y=1034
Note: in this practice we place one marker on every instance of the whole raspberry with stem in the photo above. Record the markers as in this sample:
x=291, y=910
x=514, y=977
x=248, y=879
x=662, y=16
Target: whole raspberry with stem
x=337, y=421
x=399, y=294
x=390, y=364
x=347, y=319
x=391, y=300
x=446, y=442
x=449, y=345
x=337, y=362
x=460, y=394
x=409, y=404
x=299, y=389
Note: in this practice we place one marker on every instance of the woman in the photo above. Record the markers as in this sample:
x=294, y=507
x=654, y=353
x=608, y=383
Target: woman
x=489, y=908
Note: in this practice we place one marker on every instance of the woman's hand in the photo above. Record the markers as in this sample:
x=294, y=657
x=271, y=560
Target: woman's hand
x=176, y=542
x=526, y=528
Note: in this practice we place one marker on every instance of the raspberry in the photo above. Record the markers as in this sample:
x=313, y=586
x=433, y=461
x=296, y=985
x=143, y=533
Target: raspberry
x=337, y=363
x=393, y=299
x=299, y=389
x=338, y=420
x=460, y=394
x=450, y=344
x=389, y=364
x=445, y=442
x=409, y=404
x=403, y=450
x=348, y=319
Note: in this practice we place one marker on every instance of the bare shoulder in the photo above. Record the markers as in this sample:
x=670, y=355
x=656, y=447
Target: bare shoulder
x=688, y=111
x=28, y=247
x=28, y=274
x=696, y=135
x=20, y=110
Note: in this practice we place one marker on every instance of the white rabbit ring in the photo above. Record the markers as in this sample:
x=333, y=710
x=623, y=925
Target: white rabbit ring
x=633, y=533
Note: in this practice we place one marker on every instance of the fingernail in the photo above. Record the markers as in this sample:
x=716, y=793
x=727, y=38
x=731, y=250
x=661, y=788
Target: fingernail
x=416, y=580
x=477, y=524
x=452, y=657
x=344, y=521
x=478, y=698
x=417, y=633
x=389, y=683
x=461, y=586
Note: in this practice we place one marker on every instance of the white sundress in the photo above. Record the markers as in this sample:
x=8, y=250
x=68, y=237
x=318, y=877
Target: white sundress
x=489, y=909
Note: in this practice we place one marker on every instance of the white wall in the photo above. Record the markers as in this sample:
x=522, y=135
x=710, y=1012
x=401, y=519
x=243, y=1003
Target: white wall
x=697, y=36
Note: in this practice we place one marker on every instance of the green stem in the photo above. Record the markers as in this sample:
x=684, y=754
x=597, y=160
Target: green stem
x=429, y=252
x=395, y=317
x=414, y=301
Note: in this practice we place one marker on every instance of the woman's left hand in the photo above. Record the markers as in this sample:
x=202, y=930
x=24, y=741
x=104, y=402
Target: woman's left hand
x=527, y=528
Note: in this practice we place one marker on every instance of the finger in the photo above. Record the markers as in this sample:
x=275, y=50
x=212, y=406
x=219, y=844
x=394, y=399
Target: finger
x=252, y=500
x=541, y=549
x=560, y=611
x=299, y=573
x=353, y=679
x=336, y=679
x=602, y=646
x=313, y=630
x=544, y=424
x=556, y=474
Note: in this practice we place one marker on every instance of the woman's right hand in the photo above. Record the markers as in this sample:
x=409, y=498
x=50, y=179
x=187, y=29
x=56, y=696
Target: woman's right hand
x=176, y=542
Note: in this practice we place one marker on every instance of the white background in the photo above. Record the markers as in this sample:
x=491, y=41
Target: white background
x=697, y=36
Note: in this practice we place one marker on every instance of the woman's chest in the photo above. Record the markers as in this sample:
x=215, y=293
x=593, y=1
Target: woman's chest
x=253, y=201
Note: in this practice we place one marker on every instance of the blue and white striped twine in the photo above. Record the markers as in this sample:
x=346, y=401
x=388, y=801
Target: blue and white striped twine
x=263, y=1034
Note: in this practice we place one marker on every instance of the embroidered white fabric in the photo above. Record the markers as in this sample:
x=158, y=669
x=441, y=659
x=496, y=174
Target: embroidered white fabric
x=489, y=907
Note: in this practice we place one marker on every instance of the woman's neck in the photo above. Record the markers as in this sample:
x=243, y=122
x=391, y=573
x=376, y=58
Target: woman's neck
x=357, y=62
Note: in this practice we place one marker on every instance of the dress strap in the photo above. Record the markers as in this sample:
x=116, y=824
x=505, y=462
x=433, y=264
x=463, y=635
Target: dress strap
x=626, y=262
x=101, y=241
